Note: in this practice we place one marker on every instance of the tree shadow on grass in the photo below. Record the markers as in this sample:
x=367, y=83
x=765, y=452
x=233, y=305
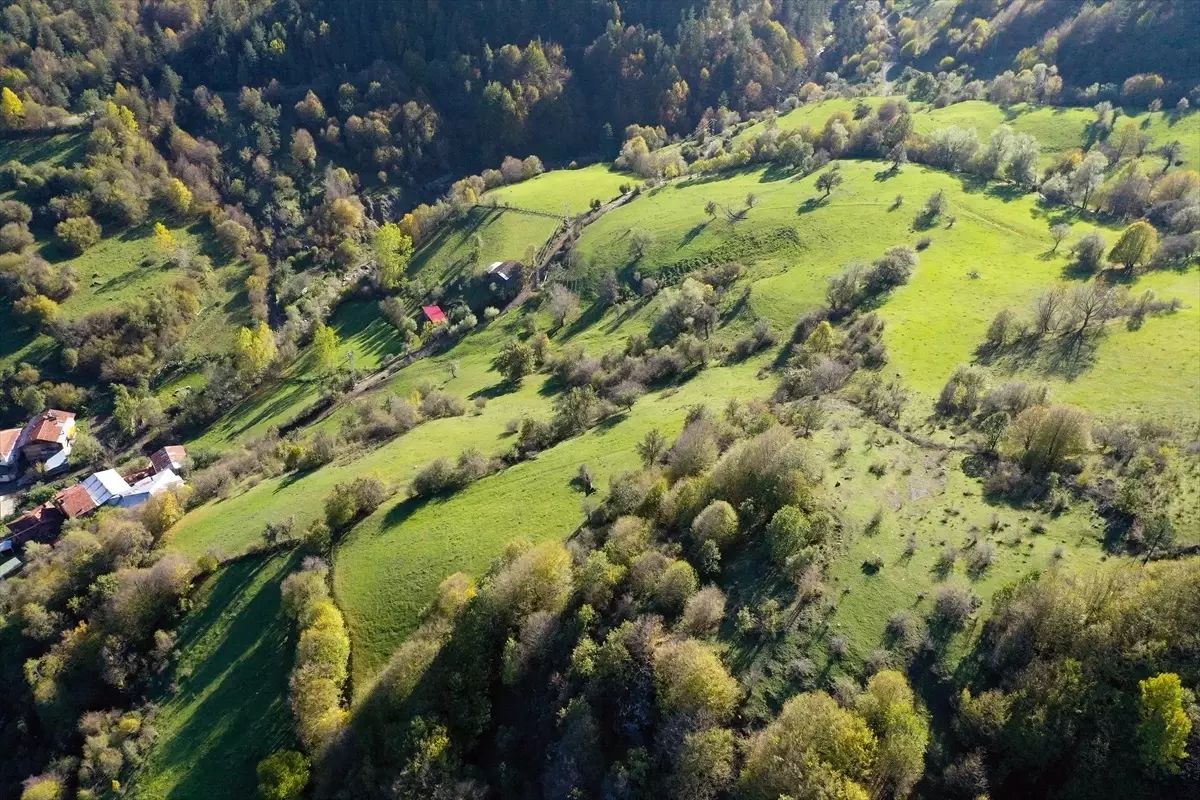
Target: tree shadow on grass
x=775, y=172
x=242, y=680
x=405, y=509
x=692, y=233
x=593, y=314
x=812, y=204
x=886, y=174
x=1005, y=192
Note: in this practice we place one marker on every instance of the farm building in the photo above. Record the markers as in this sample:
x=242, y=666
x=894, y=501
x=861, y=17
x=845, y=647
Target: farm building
x=106, y=487
x=504, y=271
x=172, y=457
x=434, y=314
x=148, y=487
x=46, y=439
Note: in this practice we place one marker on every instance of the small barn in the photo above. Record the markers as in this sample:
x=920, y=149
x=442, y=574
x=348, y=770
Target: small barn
x=10, y=455
x=172, y=457
x=503, y=272
x=148, y=487
x=434, y=314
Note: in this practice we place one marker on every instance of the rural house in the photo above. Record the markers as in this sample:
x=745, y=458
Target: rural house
x=46, y=439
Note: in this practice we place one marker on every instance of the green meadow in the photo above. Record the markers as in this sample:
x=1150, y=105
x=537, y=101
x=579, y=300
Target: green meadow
x=995, y=256
x=990, y=251
x=228, y=707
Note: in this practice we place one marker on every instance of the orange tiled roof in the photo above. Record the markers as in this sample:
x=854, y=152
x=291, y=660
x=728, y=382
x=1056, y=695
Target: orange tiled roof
x=75, y=501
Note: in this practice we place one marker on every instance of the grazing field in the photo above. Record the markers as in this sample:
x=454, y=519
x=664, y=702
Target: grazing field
x=230, y=709
x=416, y=545
x=1057, y=129
x=569, y=190
x=128, y=266
x=995, y=256
x=482, y=236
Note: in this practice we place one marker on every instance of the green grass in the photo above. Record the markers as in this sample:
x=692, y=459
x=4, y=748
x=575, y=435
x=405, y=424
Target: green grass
x=63, y=149
x=230, y=708
x=124, y=267
x=565, y=189
x=120, y=267
x=416, y=545
x=502, y=235
x=388, y=567
x=925, y=494
x=939, y=319
x=1056, y=129
x=367, y=340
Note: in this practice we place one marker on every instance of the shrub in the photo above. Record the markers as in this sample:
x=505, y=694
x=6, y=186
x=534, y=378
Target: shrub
x=677, y=584
x=283, y=776
x=952, y=607
x=770, y=471
x=703, y=613
x=692, y=681
x=352, y=500
x=438, y=404
x=434, y=478
x=694, y=451
x=717, y=523
x=77, y=234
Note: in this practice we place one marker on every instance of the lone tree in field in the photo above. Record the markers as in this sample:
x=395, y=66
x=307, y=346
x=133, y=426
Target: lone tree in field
x=1089, y=251
x=829, y=180
x=710, y=208
x=751, y=200
x=515, y=361
x=1136, y=246
x=1058, y=233
x=563, y=304
x=325, y=348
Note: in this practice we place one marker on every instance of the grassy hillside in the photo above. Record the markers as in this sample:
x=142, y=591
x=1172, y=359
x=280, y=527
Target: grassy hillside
x=570, y=190
x=230, y=708
x=64, y=149
x=1056, y=129
x=792, y=243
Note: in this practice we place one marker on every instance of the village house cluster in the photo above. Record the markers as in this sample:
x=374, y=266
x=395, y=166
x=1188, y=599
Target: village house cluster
x=104, y=488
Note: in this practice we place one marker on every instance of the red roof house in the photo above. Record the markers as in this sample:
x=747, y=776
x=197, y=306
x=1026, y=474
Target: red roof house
x=434, y=314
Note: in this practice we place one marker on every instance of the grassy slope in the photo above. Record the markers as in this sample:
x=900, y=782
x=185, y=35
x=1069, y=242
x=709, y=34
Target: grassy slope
x=230, y=710
x=1056, y=129
x=940, y=317
x=64, y=148
x=503, y=235
x=126, y=266
x=571, y=189
x=934, y=323
x=417, y=545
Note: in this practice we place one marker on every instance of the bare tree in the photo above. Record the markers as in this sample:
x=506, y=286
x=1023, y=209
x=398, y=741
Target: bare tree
x=562, y=302
x=1046, y=310
x=1058, y=233
x=1090, y=306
